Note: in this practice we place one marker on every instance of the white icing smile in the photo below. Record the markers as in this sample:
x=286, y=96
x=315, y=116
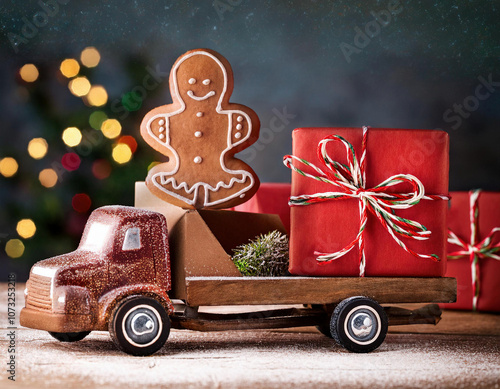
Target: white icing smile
x=192, y=95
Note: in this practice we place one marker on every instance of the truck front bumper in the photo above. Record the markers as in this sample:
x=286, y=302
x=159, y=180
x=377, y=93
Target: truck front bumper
x=55, y=322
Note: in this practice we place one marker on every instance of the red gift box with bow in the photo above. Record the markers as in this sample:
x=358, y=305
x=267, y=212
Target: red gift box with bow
x=368, y=202
x=474, y=250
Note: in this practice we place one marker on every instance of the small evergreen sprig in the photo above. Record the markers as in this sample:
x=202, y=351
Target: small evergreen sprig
x=266, y=255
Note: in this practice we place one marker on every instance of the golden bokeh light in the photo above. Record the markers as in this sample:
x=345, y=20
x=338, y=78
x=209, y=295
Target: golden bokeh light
x=48, y=178
x=97, y=96
x=29, y=72
x=14, y=248
x=72, y=136
x=37, y=148
x=79, y=86
x=122, y=153
x=69, y=67
x=90, y=57
x=8, y=167
x=111, y=128
x=26, y=228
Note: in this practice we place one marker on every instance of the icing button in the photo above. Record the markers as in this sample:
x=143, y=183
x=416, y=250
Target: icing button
x=161, y=122
x=239, y=118
x=237, y=135
x=198, y=134
x=197, y=159
x=162, y=136
x=162, y=129
x=199, y=114
x=239, y=126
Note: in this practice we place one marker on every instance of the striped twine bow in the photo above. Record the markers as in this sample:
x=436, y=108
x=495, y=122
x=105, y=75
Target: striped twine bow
x=351, y=180
x=475, y=251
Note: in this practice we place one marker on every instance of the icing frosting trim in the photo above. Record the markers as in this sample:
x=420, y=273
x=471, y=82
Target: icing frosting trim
x=230, y=144
x=194, y=97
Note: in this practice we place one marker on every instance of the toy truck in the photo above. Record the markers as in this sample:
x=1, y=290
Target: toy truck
x=127, y=279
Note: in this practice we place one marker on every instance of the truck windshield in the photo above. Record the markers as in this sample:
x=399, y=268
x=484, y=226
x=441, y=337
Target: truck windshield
x=97, y=237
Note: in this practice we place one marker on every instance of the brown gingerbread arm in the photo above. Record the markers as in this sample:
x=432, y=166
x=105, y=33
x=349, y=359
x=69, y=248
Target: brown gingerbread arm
x=240, y=127
x=155, y=131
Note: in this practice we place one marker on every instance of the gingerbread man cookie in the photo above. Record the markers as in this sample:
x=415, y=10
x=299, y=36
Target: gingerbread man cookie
x=199, y=133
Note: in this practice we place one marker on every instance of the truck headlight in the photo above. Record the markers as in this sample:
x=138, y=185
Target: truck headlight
x=71, y=299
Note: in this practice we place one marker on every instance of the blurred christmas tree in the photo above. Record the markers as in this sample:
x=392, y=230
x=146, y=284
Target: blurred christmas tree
x=83, y=151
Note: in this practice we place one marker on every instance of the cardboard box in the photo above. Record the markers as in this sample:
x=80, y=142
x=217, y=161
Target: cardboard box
x=488, y=269
x=329, y=226
x=201, y=241
x=270, y=198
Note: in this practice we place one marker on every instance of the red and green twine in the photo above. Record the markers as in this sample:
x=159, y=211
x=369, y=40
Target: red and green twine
x=475, y=251
x=350, y=178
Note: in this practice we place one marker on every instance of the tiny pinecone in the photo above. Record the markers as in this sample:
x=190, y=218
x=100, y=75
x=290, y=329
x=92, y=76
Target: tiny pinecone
x=266, y=255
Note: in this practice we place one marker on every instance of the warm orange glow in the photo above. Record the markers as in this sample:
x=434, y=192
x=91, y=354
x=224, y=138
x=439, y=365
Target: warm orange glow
x=130, y=141
x=8, y=167
x=90, y=57
x=29, y=72
x=72, y=136
x=122, y=153
x=69, y=67
x=37, y=148
x=111, y=128
x=48, y=178
x=79, y=86
x=26, y=228
x=97, y=96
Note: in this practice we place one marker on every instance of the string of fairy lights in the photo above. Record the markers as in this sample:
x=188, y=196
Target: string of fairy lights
x=94, y=96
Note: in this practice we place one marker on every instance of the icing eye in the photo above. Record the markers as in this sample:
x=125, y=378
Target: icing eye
x=206, y=82
x=193, y=81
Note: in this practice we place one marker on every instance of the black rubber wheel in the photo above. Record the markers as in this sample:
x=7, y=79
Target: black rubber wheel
x=359, y=324
x=139, y=326
x=69, y=336
x=325, y=330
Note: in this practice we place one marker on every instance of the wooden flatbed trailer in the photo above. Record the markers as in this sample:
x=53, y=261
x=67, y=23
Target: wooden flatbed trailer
x=345, y=308
x=139, y=291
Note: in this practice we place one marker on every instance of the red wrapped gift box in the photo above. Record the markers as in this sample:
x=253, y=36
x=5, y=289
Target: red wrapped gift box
x=270, y=198
x=473, y=229
x=330, y=225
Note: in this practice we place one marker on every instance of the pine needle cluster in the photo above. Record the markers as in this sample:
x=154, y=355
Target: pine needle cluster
x=266, y=255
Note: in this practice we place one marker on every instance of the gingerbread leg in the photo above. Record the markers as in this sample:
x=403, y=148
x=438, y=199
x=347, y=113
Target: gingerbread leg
x=241, y=187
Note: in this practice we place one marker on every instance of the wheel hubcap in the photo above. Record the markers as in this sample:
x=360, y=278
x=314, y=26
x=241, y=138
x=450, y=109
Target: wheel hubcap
x=142, y=323
x=142, y=326
x=362, y=325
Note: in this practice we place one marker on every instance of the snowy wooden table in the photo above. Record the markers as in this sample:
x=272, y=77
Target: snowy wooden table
x=462, y=351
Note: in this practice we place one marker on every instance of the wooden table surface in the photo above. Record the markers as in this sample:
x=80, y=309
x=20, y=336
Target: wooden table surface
x=462, y=351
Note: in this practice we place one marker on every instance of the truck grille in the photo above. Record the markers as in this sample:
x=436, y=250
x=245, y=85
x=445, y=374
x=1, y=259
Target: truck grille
x=39, y=293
